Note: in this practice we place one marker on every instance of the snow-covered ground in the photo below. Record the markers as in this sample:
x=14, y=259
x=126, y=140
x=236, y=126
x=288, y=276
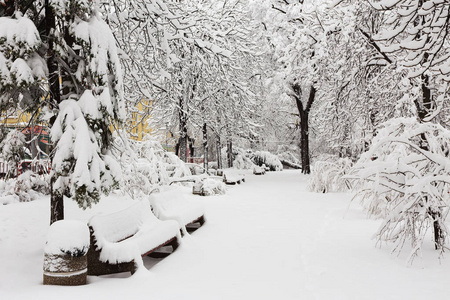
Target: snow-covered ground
x=268, y=238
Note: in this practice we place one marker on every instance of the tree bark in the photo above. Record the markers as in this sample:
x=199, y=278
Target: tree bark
x=219, y=154
x=183, y=147
x=191, y=143
x=304, y=139
x=205, y=148
x=304, y=125
x=56, y=200
x=230, y=153
x=183, y=140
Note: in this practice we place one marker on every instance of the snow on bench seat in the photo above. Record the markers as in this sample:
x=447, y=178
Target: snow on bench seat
x=171, y=204
x=232, y=177
x=257, y=170
x=120, y=239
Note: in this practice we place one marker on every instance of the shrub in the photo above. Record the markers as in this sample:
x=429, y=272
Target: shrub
x=328, y=176
x=404, y=179
x=13, y=149
x=26, y=187
x=147, y=166
x=271, y=161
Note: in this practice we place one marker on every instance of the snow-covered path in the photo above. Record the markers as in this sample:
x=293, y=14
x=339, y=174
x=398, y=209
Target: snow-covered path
x=266, y=239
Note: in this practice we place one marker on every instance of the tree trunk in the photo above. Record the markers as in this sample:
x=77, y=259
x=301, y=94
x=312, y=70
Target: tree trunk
x=183, y=147
x=423, y=109
x=304, y=145
x=191, y=143
x=177, y=148
x=183, y=141
x=205, y=148
x=56, y=200
x=219, y=154
x=56, y=204
x=304, y=125
x=230, y=153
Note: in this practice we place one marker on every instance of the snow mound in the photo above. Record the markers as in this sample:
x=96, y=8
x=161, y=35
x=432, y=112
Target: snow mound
x=68, y=237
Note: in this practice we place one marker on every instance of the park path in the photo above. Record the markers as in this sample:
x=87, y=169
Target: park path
x=256, y=244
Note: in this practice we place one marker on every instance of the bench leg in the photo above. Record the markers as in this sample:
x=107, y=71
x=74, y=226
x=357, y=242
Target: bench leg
x=174, y=244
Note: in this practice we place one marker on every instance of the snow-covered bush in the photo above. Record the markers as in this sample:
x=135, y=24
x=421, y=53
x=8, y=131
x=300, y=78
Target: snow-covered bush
x=289, y=156
x=327, y=176
x=241, y=161
x=247, y=159
x=404, y=178
x=210, y=186
x=260, y=158
x=176, y=166
x=241, y=158
x=26, y=187
x=12, y=149
x=147, y=166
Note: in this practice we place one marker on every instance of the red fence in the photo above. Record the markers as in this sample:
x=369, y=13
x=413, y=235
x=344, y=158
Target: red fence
x=40, y=167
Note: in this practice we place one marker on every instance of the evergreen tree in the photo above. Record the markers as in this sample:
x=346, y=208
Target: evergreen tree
x=82, y=80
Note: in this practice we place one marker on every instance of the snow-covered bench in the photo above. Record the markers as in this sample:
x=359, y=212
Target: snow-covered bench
x=233, y=177
x=173, y=205
x=257, y=170
x=119, y=240
x=208, y=186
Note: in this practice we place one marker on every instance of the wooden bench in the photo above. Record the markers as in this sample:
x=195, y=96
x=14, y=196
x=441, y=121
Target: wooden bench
x=119, y=240
x=257, y=170
x=233, y=178
x=173, y=205
x=208, y=185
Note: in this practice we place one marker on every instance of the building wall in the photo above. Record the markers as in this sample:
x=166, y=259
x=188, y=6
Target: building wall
x=137, y=126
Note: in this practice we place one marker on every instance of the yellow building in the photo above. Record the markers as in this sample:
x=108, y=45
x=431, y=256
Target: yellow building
x=138, y=126
x=15, y=119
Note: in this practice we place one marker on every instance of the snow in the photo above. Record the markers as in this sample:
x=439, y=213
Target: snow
x=20, y=35
x=21, y=72
x=234, y=176
x=170, y=204
x=75, y=139
x=266, y=239
x=137, y=221
x=38, y=66
x=66, y=237
x=98, y=38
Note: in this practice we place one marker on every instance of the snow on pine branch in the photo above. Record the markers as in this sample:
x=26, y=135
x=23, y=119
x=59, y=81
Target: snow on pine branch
x=405, y=179
x=20, y=66
x=18, y=37
x=78, y=164
x=103, y=60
